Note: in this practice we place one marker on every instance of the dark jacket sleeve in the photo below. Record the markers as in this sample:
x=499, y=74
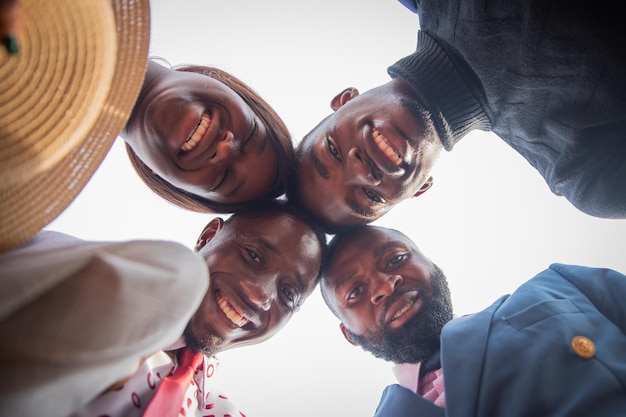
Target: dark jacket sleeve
x=398, y=401
x=410, y=4
x=605, y=288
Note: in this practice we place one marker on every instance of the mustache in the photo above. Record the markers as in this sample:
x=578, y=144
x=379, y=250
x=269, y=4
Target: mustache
x=391, y=299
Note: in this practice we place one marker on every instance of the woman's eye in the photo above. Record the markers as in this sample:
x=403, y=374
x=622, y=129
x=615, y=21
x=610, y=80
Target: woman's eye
x=333, y=149
x=373, y=196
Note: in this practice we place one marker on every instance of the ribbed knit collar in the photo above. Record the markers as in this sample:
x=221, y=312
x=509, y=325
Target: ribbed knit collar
x=452, y=101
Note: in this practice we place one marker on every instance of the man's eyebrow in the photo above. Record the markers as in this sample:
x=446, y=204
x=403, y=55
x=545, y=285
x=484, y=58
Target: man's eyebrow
x=319, y=165
x=352, y=272
x=270, y=247
x=301, y=282
x=381, y=249
x=347, y=277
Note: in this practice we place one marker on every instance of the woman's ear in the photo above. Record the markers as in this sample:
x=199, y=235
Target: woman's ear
x=209, y=232
x=343, y=97
x=344, y=331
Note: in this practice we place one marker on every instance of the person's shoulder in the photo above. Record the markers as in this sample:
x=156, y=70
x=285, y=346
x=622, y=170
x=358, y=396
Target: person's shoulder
x=410, y=4
x=397, y=401
x=568, y=270
x=47, y=239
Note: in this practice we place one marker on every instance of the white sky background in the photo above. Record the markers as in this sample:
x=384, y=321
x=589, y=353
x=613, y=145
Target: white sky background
x=489, y=221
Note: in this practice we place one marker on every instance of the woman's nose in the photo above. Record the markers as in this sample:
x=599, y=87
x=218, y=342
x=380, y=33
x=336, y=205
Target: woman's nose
x=226, y=149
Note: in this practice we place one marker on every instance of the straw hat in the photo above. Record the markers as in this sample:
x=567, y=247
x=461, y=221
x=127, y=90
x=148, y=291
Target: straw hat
x=64, y=97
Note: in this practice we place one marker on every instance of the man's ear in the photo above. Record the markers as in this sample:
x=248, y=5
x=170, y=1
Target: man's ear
x=209, y=232
x=344, y=331
x=343, y=97
x=425, y=187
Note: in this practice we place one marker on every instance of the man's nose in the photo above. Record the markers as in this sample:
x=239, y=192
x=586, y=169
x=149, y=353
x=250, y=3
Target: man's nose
x=360, y=170
x=383, y=287
x=226, y=149
x=259, y=293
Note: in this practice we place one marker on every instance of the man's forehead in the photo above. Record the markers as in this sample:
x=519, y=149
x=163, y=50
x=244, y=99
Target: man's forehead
x=282, y=234
x=263, y=218
x=262, y=225
x=315, y=133
x=369, y=241
x=349, y=255
x=364, y=236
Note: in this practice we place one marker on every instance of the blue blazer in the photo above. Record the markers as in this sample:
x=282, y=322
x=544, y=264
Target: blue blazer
x=555, y=347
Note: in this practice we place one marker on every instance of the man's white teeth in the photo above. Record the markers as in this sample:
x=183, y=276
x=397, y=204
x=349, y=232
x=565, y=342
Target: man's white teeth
x=196, y=135
x=383, y=145
x=234, y=316
x=403, y=309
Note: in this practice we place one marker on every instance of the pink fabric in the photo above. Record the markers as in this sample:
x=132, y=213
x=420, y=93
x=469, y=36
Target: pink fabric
x=430, y=387
x=169, y=396
x=202, y=398
x=407, y=375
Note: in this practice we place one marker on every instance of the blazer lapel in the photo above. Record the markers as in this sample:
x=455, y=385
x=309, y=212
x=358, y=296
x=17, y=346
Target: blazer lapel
x=463, y=346
x=398, y=401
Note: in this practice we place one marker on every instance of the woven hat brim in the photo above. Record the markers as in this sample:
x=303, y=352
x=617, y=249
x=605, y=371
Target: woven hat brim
x=53, y=90
x=27, y=208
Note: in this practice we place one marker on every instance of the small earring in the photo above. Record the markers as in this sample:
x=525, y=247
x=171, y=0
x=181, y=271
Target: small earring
x=10, y=43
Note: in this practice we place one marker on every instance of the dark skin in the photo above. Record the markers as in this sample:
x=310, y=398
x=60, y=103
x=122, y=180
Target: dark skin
x=390, y=298
x=367, y=156
x=263, y=267
x=198, y=134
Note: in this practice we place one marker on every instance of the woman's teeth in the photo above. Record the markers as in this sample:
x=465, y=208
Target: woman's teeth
x=234, y=316
x=383, y=145
x=403, y=310
x=197, y=134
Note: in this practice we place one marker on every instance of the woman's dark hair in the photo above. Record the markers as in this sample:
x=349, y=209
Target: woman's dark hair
x=278, y=136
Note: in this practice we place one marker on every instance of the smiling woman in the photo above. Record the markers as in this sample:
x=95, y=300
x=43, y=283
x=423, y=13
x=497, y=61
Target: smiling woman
x=203, y=140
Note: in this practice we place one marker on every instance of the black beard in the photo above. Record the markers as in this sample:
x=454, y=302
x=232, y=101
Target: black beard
x=419, y=338
x=210, y=345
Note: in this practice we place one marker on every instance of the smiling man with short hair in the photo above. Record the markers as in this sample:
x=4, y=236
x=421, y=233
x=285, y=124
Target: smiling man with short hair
x=546, y=77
